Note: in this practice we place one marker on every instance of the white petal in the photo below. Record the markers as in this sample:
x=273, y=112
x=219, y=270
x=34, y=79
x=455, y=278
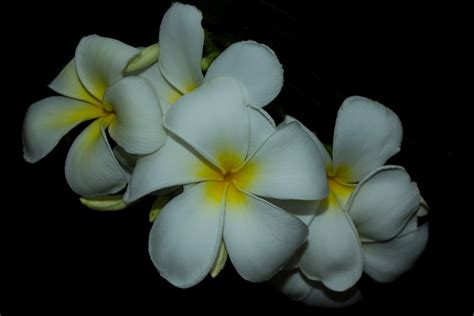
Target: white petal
x=68, y=84
x=325, y=156
x=304, y=210
x=287, y=166
x=321, y=296
x=126, y=160
x=260, y=238
x=386, y=261
x=181, y=44
x=292, y=284
x=162, y=88
x=383, y=202
x=91, y=168
x=185, y=238
x=334, y=254
x=48, y=120
x=137, y=126
x=255, y=66
x=171, y=165
x=262, y=127
x=100, y=62
x=214, y=121
x=366, y=135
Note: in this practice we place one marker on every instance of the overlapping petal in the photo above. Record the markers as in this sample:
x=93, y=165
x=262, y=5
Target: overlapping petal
x=91, y=168
x=185, y=238
x=383, y=202
x=100, y=62
x=137, y=125
x=255, y=66
x=287, y=166
x=174, y=164
x=48, y=120
x=181, y=45
x=365, y=136
x=214, y=121
x=260, y=238
x=333, y=254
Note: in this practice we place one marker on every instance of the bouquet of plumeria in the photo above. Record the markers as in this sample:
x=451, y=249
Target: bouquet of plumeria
x=229, y=181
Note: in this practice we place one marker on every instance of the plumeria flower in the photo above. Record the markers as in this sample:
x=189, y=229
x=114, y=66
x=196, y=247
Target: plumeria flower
x=178, y=71
x=93, y=89
x=366, y=135
x=227, y=156
x=384, y=261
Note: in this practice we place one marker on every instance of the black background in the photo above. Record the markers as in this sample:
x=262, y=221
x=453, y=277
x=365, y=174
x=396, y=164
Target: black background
x=58, y=256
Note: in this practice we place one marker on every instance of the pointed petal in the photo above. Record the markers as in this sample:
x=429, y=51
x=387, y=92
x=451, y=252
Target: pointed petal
x=171, y=165
x=162, y=88
x=366, y=135
x=91, y=168
x=100, y=62
x=260, y=238
x=214, y=121
x=383, y=202
x=48, y=120
x=325, y=156
x=287, y=166
x=185, y=238
x=68, y=84
x=137, y=126
x=255, y=66
x=386, y=261
x=334, y=254
x=262, y=127
x=182, y=42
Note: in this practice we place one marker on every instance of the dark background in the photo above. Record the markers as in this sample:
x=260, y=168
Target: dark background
x=58, y=256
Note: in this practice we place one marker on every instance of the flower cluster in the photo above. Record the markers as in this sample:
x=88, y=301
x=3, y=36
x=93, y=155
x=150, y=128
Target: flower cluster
x=229, y=181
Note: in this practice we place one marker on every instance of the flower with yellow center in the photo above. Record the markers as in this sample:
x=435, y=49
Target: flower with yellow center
x=227, y=156
x=93, y=89
x=178, y=70
x=368, y=204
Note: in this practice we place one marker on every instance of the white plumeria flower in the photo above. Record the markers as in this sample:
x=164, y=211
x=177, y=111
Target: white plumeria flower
x=227, y=155
x=366, y=135
x=93, y=89
x=178, y=71
x=384, y=261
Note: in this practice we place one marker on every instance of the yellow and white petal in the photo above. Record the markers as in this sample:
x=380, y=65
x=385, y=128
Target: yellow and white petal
x=365, y=136
x=48, y=120
x=68, y=84
x=262, y=126
x=255, y=66
x=321, y=296
x=325, y=156
x=334, y=255
x=185, y=238
x=137, y=125
x=173, y=164
x=383, y=202
x=181, y=45
x=100, y=61
x=163, y=89
x=214, y=121
x=260, y=237
x=91, y=168
x=304, y=210
x=292, y=284
x=287, y=166
x=386, y=261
